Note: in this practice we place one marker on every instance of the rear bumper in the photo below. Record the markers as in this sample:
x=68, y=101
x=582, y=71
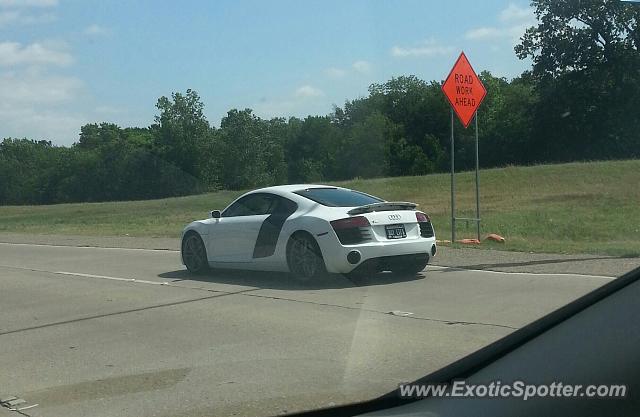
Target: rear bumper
x=335, y=254
x=390, y=263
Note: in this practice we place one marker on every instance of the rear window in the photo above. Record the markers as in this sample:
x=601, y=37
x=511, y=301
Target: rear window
x=335, y=197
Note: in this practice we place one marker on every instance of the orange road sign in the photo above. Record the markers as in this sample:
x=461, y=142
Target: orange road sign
x=464, y=90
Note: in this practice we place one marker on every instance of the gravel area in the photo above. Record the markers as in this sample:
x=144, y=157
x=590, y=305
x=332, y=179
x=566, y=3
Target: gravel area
x=482, y=259
x=542, y=263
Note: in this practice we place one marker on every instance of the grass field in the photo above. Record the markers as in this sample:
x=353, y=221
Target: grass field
x=568, y=208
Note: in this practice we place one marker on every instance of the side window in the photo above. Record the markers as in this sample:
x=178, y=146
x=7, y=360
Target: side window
x=251, y=205
x=284, y=207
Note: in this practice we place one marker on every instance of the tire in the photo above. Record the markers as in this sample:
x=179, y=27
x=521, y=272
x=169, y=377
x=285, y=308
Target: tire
x=304, y=257
x=194, y=254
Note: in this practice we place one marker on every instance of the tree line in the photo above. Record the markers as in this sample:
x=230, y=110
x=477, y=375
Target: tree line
x=579, y=101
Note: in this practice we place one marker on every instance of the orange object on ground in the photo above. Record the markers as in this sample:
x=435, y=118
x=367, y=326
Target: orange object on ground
x=469, y=241
x=495, y=237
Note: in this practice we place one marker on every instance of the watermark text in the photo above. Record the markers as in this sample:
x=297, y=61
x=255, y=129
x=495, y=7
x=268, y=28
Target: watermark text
x=516, y=389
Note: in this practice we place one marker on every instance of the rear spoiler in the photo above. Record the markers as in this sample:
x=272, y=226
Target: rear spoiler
x=384, y=206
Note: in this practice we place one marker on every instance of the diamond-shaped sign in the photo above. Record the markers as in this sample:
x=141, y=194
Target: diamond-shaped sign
x=464, y=90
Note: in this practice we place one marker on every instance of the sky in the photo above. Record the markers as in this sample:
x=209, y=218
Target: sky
x=65, y=63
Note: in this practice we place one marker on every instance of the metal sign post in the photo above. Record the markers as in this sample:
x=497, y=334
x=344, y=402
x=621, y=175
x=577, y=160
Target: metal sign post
x=477, y=181
x=453, y=184
x=465, y=92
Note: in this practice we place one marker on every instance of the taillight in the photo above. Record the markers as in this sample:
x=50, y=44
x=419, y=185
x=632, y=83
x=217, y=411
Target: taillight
x=352, y=230
x=421, y=217
x=350, y=223
x=426, y=229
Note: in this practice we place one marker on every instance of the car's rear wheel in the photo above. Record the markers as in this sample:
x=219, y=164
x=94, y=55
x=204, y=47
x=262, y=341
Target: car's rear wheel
x=304, y=257
x=194, y=254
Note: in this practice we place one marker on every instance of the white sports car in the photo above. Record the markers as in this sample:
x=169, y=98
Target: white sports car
x=309, y=230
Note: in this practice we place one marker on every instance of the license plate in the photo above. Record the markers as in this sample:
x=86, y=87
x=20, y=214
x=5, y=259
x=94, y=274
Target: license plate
x=395, y=231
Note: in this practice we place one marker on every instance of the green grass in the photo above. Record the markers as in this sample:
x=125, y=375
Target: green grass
x=568, y=208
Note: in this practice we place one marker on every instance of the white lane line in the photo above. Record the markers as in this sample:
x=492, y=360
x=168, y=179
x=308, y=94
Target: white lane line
x=79, y=274
x=134, y=280
x=87, y=247
x=142, y=281
x=522, y=273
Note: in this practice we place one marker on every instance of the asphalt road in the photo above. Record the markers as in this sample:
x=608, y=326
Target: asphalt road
x=469, y=258
x=127, y=332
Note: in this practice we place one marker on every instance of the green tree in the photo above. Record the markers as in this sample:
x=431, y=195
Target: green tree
x=311, y=149
x=94, y=135
x=506, y=120
x=415, y=104
x=586, y=65
x=365, y=151
x=182, y=131
x=581, y=36
x=252, y=150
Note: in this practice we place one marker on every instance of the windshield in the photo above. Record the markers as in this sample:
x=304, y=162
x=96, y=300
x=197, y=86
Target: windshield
x=500, y=139
x=337, y=197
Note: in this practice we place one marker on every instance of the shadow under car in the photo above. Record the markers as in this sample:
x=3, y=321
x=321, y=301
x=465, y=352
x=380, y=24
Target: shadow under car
x=284, y=281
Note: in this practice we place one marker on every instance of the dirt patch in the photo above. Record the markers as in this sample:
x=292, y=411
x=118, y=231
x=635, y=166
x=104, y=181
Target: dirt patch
x=108, y=387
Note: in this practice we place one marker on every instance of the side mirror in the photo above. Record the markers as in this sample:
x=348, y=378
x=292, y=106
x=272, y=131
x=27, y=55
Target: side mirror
x=216, y=214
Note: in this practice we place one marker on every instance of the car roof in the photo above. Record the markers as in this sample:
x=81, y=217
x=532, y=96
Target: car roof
x=289, y=191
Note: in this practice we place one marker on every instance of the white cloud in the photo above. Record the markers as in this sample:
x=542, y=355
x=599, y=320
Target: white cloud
x=28, y=3
x=485, y=33
x=427, y=48
x=514, y=13
x=33, y=102
x=511, y=33
x=276, y=108
x=361, y=66
x=60, y=127
x=19, y=11
x=108, y=110
x=96, y=30
x=308, y=91
x=302, y=100
x=45, y=53
x=334, y=72
x=514, y=22
x=34, y=89
x=32, y=105
x=291, y=106
x=9, y=17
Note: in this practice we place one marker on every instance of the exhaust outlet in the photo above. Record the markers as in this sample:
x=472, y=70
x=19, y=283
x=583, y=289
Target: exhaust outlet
x=354, y=257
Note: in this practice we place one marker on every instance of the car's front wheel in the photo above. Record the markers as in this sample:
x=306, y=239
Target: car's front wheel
x=194, y=254
x=304, y=257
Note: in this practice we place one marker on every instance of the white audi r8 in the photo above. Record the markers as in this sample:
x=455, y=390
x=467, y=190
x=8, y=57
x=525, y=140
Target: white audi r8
x=309, y=230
